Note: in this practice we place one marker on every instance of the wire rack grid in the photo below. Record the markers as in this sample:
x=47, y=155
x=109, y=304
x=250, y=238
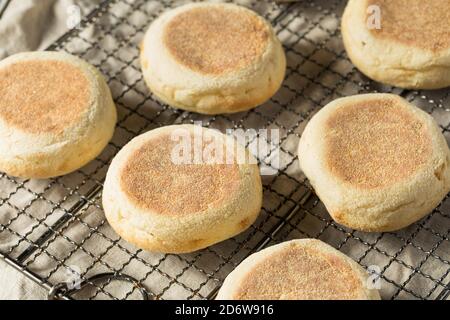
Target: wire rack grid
x=53, y=229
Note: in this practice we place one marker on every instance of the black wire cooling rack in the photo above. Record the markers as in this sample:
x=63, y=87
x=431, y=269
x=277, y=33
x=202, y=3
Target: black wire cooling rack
x=53, y=229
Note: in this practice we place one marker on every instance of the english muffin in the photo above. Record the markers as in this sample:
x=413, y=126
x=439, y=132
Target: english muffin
x=212, y=58
x=56, y=114
x=404, y=43
x=181, y=188
x=306, y=269
x=377, y=162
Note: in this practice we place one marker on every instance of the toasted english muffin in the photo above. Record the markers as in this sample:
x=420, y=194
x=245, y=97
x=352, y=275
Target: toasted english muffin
x=212, y=58
x=377, y=162
x=163, y=196
x=56, y=114
x=404, y=43
x=305, y=269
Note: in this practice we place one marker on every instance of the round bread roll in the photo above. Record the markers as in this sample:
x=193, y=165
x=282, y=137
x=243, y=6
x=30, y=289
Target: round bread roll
x=305, y=269
x=163, y=202
x=56, y=114
x=404, y=43
x=212, y=58
x=377, y=162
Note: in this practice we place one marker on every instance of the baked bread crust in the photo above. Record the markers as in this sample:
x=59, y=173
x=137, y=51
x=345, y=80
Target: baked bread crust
x=57, y=114
x=212, y=58
x=377, y=162
x=305, y=269
x=412, y=48
x=161, y=206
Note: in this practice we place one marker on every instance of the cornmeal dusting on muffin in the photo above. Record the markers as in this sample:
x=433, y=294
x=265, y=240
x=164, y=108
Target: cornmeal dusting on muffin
x=215, y=40
x=420, y=23
x=42, y=96
x=154, y=182
x=375, y=143
x=298, y=272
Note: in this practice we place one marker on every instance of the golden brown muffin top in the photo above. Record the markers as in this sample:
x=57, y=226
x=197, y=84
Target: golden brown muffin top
x=375, y=143
x=43, y=96
x=299, y=272
x=423, y=24
x=216, y=39
x=152, y=180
